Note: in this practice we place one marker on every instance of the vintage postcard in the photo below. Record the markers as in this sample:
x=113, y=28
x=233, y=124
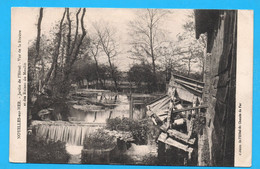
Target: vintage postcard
x=131, y=86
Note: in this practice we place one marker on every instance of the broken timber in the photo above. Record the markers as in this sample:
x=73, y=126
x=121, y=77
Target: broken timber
x=167, y=140
x=178, y=135
x=177, y=113
x=186, y=109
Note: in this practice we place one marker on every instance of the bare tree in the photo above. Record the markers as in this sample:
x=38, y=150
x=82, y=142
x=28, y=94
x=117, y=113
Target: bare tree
x=106, y=38
x=73, y=48
x=192, y=48
x=70, y=46
x=147, y=36
x=170, y=55
x=94, y=50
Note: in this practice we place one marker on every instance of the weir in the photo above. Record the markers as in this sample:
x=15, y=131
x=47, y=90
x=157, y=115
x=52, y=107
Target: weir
x=70, y=134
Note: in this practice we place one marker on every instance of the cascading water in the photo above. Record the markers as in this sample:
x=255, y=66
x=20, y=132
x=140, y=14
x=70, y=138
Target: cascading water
x=70, y=134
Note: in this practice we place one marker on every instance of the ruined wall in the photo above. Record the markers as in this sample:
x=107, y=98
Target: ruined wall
x=219, y=91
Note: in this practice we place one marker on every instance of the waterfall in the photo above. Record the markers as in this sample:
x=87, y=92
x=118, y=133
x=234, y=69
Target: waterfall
x=71, y=134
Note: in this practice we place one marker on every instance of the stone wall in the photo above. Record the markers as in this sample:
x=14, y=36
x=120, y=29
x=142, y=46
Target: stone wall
x=219, y=91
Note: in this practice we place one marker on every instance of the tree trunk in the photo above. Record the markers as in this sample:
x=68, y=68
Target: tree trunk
x=56, y=52
x=189, y=60
x=37, y=57
x=112, y=73
x=68, y=36
x=38, y=36
x=202, y=71
x=97, y=71
x=33, y=91
x=152, y=55
x=71, y=58
x=77, y=32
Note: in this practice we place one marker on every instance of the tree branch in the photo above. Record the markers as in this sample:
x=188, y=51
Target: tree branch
x=76, y=50
x=76, y=34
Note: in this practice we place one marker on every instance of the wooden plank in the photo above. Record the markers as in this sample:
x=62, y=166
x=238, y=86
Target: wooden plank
x=138, y=103
x=190, y=84
x=178, y=145
x=191, y=88
x=162, y=137
x=181, y=136
x=157, y=99
x=178, y=135
x=189, y=79
x=143, y=95
x=191, y=108
x=186, y=109
x=163, y=127
x=92, y=91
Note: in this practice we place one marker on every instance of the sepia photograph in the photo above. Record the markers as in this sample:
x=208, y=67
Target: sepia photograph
x=126, y=86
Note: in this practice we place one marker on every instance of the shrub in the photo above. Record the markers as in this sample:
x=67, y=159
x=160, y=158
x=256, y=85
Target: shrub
x=113, y=123
x=99, y=140
x=41, y=151
x=139, y=129
x=150, y=160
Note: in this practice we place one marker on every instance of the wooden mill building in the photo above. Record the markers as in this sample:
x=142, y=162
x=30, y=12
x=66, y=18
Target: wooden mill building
x=212, y=143
x=220, y=84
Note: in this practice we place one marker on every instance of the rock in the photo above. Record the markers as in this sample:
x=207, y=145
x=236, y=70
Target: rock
x=45, y=114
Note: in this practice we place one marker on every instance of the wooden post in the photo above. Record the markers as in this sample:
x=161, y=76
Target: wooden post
x=204, y=157
x=131, y=107
x=171, y=109
x=161, y=153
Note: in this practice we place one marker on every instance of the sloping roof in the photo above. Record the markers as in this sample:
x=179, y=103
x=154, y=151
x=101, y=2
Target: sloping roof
x=205, y=22
x=193, y=86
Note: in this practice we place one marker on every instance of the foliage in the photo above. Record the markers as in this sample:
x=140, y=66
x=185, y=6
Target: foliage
x=139, y=129
x=141, y=73
x=143, y=77
x=99, y=140
x=40, y=151
x=150, y=160
x=86, y=69
x=83, y=69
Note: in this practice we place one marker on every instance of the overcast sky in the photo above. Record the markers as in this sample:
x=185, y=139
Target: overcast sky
x=116, y=17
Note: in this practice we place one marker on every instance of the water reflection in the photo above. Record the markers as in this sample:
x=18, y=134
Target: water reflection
x=98, y=114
